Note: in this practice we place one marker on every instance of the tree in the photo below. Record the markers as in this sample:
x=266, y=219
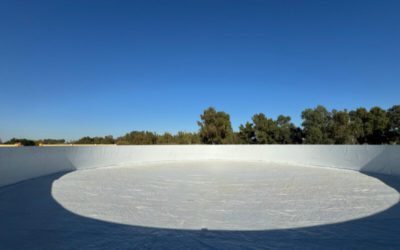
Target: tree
x=340, y=128
x=138, y=138
x=166, y=138
x=85, y=140
x=379, y=125
x=247, y=134
x=108, y=139
x=266, y=130
x=23, y=142
x=394, y=124
x=360, y=125
x=96, y=140
x=215, y=127
x=187, y=138
x=316, y=124
x=296, y=135
x=50, y=141
x=285, y=130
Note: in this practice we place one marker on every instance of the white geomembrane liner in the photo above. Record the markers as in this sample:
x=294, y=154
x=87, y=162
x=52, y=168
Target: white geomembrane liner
x=222, y=195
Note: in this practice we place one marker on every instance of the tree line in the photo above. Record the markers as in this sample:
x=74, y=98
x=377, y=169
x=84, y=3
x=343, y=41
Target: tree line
x=319, y=126
x=143, y=138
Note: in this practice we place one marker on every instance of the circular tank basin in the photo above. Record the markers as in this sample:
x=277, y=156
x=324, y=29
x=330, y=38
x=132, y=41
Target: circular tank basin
x=222, y=195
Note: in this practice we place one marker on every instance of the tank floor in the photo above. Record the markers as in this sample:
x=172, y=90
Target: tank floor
x=202, y=205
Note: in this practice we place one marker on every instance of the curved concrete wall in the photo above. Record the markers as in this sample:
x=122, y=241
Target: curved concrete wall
x=17, y=164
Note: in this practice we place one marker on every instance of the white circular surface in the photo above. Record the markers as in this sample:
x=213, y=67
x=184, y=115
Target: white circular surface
x=222, y=195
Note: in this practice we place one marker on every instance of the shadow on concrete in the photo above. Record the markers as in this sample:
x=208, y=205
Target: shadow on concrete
x=34, y=220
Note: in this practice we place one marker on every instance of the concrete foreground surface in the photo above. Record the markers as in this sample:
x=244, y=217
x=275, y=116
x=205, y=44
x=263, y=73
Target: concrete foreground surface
x=202, y=205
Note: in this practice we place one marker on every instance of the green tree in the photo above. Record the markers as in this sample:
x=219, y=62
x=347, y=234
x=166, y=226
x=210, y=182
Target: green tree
x=247, y=134
x=215, y=127
x=341, y=129
x=359, y=119
x=379, y=125
x=285, y=130
x=166, y=138
x=108, y=139
x=85, y=140
x=316, y=124
x=138, y=138
x=394, y=124
x=50, y=141
x=23, y=142
x=187, y=138
x=266, y=130
x=296, y=135
x=96, y=140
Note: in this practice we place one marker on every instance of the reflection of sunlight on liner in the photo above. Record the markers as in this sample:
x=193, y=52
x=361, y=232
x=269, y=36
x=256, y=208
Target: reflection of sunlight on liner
x=232, y=199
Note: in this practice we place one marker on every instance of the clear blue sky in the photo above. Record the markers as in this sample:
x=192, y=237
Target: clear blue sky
x=75, y=68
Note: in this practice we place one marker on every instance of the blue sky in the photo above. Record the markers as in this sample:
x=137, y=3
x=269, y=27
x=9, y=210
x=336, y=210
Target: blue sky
x=75, y=68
